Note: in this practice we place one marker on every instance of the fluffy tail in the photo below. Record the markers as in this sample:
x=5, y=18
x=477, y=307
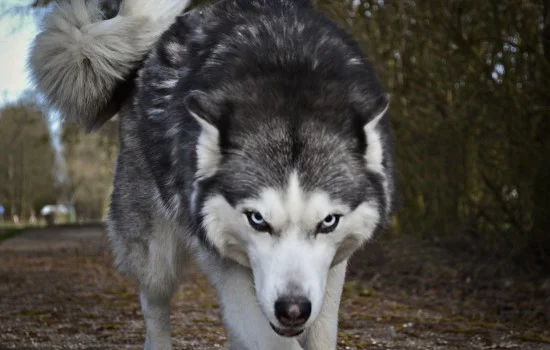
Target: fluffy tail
x=80, y=60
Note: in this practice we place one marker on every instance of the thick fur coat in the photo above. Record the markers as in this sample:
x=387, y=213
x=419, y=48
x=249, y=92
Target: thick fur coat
x=254, y=138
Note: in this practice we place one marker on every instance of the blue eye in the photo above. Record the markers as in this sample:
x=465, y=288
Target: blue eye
x=257, y=221
x=329, y=223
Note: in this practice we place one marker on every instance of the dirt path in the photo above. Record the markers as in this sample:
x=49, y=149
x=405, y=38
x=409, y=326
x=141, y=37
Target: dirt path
x=59, y=291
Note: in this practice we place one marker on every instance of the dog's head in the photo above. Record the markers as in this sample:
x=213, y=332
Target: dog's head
x=290, y=192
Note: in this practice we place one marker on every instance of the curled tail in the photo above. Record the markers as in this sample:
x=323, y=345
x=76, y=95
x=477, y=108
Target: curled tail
x=81, y=61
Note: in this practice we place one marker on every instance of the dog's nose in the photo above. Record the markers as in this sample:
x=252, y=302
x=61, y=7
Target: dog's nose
x=292, y=311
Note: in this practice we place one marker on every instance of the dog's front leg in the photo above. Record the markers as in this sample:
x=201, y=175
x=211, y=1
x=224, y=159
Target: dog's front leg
x=323, y=333
x=247, y=326
x=156, y=311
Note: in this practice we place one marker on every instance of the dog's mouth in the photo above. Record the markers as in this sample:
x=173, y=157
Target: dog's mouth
x=287, y=332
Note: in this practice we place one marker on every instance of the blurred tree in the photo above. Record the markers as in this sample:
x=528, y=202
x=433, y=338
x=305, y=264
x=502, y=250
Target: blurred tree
x=90, y=160
x=27, y=160
x=471, y=114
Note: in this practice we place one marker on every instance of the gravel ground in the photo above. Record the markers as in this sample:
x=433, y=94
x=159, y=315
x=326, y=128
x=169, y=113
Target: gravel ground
x=59, y=291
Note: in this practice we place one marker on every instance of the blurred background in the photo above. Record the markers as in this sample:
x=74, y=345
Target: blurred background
x=471, y=112
x=470, y=82
x=50, y=172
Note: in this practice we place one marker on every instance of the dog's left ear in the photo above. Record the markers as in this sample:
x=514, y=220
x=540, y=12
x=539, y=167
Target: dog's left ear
x=377, y=109
x=374, y=114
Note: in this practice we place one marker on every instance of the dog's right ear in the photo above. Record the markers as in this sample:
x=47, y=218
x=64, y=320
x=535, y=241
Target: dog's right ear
x=206, y=113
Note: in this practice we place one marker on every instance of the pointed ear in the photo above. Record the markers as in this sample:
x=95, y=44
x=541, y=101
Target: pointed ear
x=378, y=153
x=208, y=149
x=375, y=152
x=377, y=109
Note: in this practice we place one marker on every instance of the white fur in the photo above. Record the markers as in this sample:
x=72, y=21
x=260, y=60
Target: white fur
x=167, y=84
x=208, y=158
x=323, y=333
x=79, y=58
x=158, y=11
x=374, y=156
x=208, y=150
x=294, y=206
x=155, y=111
x=216, y=212
x=292, y=259
x=247, y=326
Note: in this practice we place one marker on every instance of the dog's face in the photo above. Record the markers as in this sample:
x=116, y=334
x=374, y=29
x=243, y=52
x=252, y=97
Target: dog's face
x=289, y=200
x=290, y=237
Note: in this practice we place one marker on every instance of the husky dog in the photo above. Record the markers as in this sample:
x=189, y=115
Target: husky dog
x=253, y=137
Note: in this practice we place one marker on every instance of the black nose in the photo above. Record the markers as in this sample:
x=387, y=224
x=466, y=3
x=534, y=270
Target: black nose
x=292, y=311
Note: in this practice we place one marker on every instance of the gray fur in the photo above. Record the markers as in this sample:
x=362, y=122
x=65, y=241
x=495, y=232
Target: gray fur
x=233, y=101
x=80, y=59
